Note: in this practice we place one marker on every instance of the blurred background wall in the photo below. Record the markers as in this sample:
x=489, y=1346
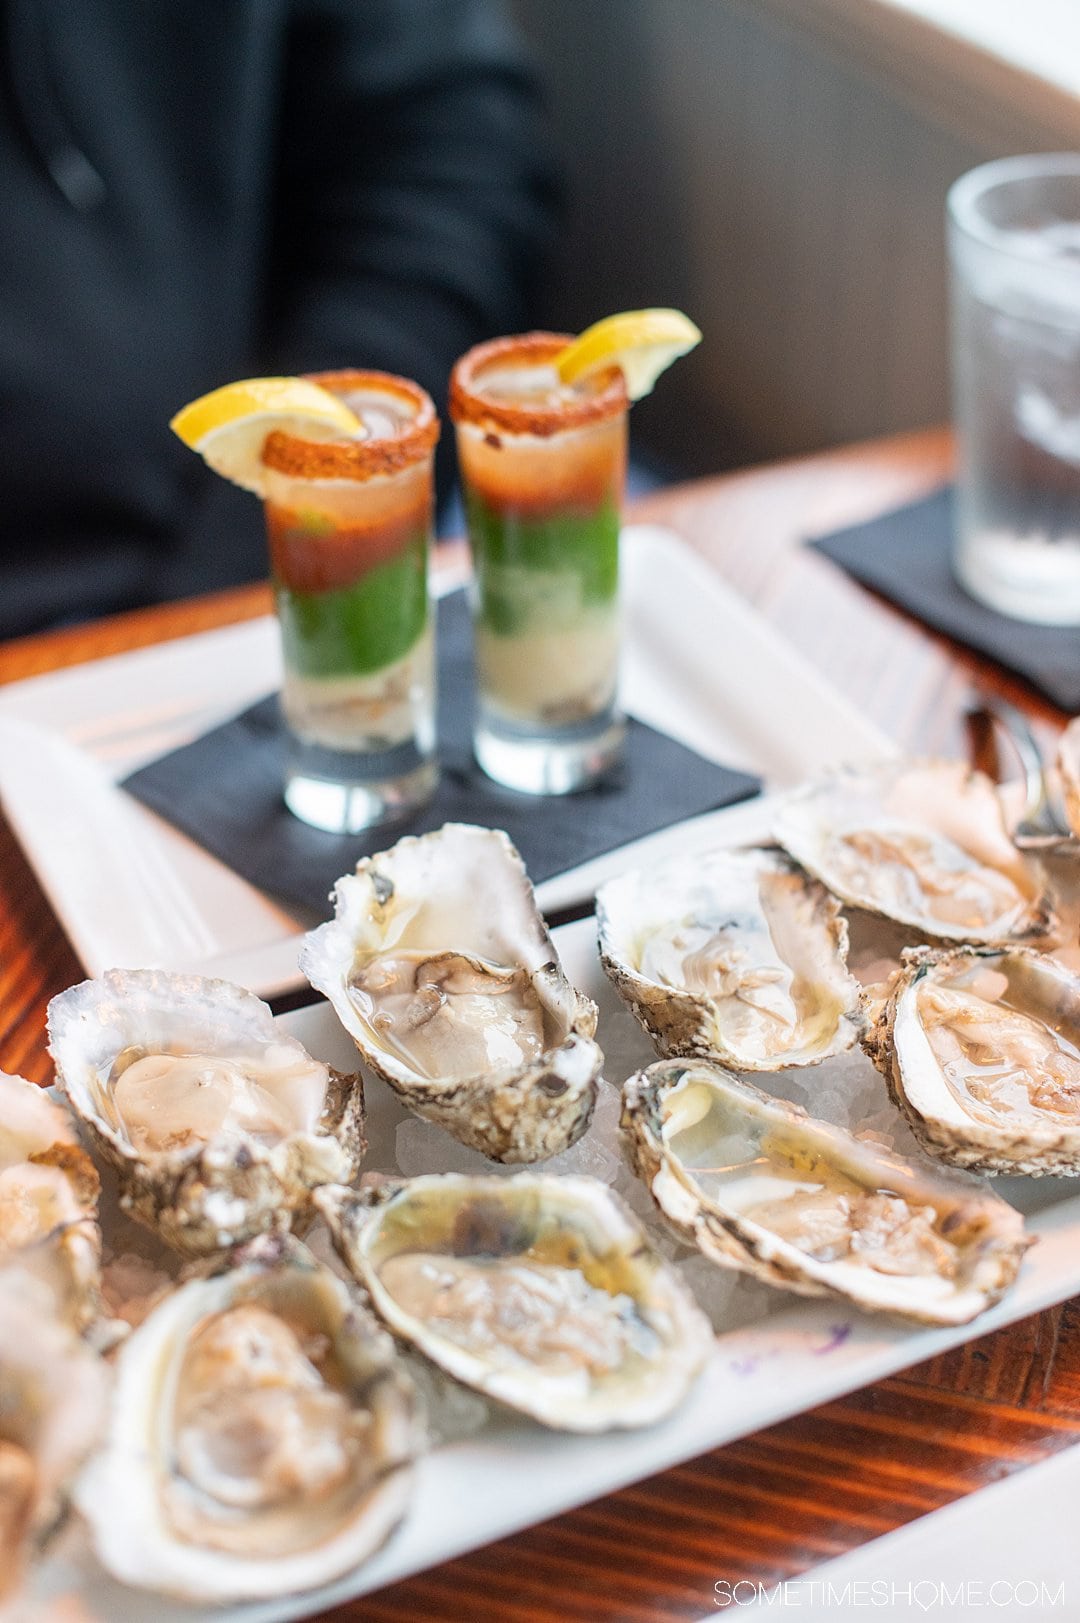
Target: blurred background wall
x=778, y=169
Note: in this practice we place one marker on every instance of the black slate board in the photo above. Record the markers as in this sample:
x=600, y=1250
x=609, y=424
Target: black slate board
x=905, y=555
x=224, y=790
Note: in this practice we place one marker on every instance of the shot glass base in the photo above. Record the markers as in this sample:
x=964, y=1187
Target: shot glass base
x=548, y=764
x=338, y=793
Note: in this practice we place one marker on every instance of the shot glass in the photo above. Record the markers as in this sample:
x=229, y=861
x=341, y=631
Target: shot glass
x=1014, y=248
x=349, y=530
x=543, y=467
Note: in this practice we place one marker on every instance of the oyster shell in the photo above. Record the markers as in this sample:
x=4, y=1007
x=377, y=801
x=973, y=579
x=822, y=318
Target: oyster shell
x=757, y=1184
x=980, y=1049
x=260, y=1436
x=922, y=842
x=1068, y=765
x=539, y=1291
x=49, y=1191
x=736, y=955
x=218, y=1123
x=441, y=970
x=52, y=1394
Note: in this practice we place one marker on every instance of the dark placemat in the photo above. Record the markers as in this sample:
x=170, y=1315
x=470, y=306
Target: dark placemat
x=905, y=556
x=224, y=790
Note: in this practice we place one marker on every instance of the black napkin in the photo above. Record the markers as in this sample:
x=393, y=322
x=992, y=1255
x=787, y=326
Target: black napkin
x=905, y=556
x=224, y=790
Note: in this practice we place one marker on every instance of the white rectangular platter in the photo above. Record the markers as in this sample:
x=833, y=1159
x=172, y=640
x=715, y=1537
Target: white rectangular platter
x=130, y=890
x=775, y=1354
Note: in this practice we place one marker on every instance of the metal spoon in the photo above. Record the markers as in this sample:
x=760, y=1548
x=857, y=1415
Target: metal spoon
x=1043, y=824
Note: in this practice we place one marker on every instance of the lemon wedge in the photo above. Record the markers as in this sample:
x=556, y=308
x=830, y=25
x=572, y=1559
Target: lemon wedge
x=641, y=343
x=228, y=427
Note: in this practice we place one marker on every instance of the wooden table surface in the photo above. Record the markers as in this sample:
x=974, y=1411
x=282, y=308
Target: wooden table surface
x=782, y=1500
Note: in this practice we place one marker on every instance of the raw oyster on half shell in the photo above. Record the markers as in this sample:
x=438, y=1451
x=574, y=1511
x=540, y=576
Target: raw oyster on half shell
x=52, y=1396
x=758, y=1185
x=49, y=1191
x=218, y=1123
x=442, y=971
x=539, y=1291
x=922, y=842
x=734, y=955
x=260, y=1437
x=981, y=1051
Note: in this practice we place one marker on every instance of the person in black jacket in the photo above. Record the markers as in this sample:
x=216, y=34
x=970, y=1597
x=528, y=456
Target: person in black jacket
x=199, y=192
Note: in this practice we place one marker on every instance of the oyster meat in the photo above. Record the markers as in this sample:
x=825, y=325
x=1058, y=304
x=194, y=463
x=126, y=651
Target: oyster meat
x=757, y=1184
x=924, y=843
x=218, y=1123
x=52, y=1394
x=981, y=1051
x=49, y=1191
x=441, y=969
x=735, y=955
x=539, y=1291
x=260, y=1437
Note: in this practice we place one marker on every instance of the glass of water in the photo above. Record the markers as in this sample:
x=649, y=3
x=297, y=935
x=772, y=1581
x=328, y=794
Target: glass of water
x=1014, y=249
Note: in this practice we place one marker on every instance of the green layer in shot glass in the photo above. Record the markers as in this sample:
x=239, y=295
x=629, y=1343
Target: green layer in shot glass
x=542, y=570
x=359, y=628
x=547, y=617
